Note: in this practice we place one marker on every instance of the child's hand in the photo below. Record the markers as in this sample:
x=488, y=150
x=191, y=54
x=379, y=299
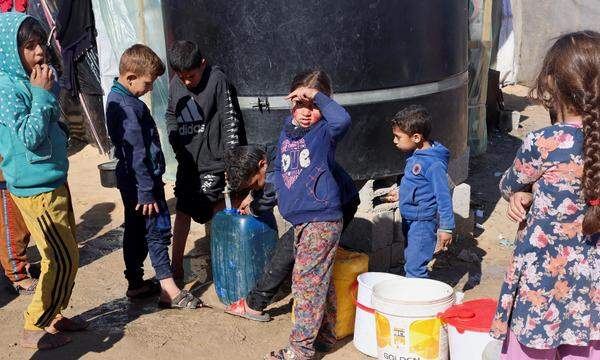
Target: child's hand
x=302, y=94
x=41, y=76
x=444, y=240
x=518, y=205
x=392, y=196
x=244, y=207
x=148, y=209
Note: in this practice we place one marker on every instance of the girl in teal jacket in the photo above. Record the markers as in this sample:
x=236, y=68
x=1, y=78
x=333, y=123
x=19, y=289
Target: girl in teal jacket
x=34, y=148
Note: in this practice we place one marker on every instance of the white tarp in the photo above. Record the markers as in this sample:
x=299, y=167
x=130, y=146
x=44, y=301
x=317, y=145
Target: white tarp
x=535, y=24
x=121, y=24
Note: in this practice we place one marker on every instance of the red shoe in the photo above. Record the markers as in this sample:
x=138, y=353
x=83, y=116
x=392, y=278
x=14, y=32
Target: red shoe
x=239, y=307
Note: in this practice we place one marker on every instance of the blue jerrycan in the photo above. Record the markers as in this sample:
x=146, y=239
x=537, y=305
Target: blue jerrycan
x=241, y=245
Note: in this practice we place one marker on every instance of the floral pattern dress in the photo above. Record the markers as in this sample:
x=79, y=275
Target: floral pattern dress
x=551, y=292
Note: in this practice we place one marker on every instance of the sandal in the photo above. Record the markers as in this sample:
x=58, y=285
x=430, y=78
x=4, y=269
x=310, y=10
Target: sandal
x=152, y=289
x=283, y=354
x=26, y=290
x=238, y=308
x=184, y=300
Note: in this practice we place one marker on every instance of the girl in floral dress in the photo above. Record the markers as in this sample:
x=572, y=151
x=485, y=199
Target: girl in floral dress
x=549, y=306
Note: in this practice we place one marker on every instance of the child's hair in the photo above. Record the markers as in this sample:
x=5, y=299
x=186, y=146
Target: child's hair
x=31, y=30
x=315, y=79
x=241, y=163
x=414, y=119
x=570, y=82
x=141, y=60
x=185, y=55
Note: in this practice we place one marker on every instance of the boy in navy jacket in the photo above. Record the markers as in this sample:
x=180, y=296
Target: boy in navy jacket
x=139, y=179
x=425, y=202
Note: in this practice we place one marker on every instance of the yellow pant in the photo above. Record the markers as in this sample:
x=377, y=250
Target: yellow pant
x=50, y=219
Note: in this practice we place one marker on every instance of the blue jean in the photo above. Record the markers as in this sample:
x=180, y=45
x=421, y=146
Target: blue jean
x=143, y=235
x=421, y=238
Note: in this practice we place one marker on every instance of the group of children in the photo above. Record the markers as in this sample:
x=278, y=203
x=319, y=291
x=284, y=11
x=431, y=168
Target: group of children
x=550, y=301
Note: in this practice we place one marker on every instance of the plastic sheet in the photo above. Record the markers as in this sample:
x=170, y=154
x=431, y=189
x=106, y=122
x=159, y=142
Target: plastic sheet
x=121, y=24
x=479, y=62
x=529, y=28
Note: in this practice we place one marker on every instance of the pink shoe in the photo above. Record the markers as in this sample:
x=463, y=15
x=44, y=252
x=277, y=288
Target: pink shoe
x=238, y=308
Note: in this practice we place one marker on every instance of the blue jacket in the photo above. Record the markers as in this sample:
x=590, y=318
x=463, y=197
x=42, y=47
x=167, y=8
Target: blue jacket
x=32, y=142
x=306, y=186
x=137, y=145
x=424, y=191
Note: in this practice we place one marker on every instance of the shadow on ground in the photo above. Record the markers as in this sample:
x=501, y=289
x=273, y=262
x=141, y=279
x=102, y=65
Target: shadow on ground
x=108, y=323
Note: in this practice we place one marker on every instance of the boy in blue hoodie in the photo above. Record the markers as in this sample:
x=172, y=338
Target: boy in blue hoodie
x=139, y=179
x=34, y=147
x=424, y=195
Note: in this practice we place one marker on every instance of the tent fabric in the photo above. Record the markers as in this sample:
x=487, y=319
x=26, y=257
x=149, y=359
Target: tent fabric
x=10, y=5
x=505, y=58
x=479, y=62
x=121, y=24
x=535, y=24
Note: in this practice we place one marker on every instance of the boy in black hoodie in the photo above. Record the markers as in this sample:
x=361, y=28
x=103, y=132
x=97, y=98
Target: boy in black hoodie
x=202, y=122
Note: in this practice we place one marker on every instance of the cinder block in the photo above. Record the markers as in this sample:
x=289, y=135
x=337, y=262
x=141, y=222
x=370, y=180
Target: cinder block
x=461, y=204
x=369, y=232
x=365, y=195
x=380, y=260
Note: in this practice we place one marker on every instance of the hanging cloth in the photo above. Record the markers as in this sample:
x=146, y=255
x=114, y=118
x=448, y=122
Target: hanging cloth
x=76, y=32
x=7, y=5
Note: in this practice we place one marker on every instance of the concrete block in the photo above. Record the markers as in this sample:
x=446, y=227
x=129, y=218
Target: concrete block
x=366, y=196
x=369, y=232
x=463, y=216
x=458, y=169
x=397, y=258
x=380, y=260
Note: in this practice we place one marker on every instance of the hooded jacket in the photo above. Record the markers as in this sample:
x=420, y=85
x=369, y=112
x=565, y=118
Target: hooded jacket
x=265, y=199
x=202, y=123
x=424, y=191
x=306, y=186
x=32, y=142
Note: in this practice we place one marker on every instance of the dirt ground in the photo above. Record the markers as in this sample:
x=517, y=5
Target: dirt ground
x=120, y=329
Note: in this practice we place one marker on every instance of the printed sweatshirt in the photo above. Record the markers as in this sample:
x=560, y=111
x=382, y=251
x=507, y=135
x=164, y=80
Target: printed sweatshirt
x=137, y=145
x=202, y=123
x=32, y=141
x=266, y=199
x=304, y=170
x=424, y=191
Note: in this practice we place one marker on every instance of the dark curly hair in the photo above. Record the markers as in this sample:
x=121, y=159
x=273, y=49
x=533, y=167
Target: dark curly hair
x=241, y=164
x=569, y=82
x=413, y=119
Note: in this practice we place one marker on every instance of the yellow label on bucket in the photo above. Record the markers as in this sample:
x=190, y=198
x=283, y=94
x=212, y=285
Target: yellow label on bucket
x=425, y=338
x=383, y=330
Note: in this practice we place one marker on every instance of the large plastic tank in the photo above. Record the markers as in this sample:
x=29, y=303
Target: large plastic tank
x=240, y=248
x=381, y=54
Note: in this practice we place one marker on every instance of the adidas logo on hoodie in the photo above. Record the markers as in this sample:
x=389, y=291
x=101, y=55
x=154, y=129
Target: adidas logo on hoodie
x=190, y=121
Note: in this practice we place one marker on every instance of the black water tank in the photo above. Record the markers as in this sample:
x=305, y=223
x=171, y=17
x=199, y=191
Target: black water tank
x=381, y=54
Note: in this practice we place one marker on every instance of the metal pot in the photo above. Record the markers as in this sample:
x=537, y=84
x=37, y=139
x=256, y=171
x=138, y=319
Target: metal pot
x=108, y=174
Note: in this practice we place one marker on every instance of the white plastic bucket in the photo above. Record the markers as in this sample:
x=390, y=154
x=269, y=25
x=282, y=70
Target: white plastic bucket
x=407, y=326
x=468, y=345
x=365, y=339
